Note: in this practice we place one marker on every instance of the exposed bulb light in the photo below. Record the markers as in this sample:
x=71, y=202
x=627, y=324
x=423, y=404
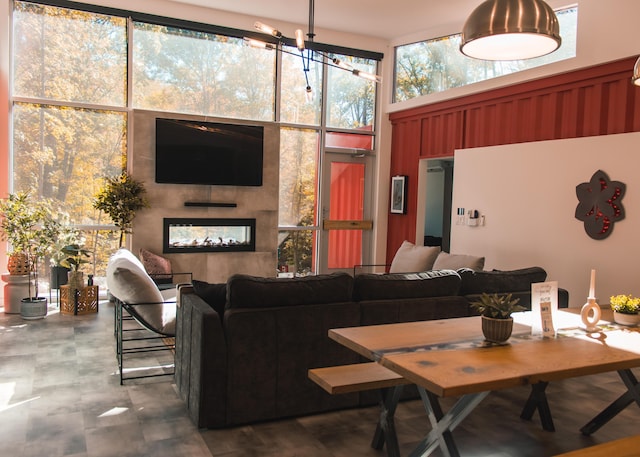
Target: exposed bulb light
x=367, y=75
x=341, y=64
x=510, y=30
x=258, y=44
x=264, y=28
x=635, y=79
x=300, y=40
x=308, y=94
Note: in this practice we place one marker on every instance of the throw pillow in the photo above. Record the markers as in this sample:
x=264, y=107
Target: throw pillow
x=446, y=261
x=411, y=258
x=158, y=267
x=128, y=281
x=214, y=294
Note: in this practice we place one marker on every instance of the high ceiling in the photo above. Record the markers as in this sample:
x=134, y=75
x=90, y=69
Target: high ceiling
x=387, y=19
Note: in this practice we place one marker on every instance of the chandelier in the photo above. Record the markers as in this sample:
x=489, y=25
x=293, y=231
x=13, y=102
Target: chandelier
x=306, y=50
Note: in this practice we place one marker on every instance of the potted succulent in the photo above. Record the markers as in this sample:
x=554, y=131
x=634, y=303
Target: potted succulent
x=31, y=229
x=120, y=197
x=626, y=309
x=496, y=310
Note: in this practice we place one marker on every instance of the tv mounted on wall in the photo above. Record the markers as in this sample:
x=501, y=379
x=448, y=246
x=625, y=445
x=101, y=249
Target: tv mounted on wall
x=193, y=152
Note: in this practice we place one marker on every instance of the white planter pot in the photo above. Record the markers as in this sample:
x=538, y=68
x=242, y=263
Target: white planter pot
x=626, y=319
x=33, y=308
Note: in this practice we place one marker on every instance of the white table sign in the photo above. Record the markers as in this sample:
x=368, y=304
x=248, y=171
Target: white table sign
x=544, y=303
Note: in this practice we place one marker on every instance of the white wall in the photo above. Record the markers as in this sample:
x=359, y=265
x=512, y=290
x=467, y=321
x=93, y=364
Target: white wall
x=527, y=193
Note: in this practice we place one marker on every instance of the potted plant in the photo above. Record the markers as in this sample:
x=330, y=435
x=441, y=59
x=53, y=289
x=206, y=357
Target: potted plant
x=496, y=310
x=120, y=197
x=75, y=256
x=626, y=309
x=31, y=229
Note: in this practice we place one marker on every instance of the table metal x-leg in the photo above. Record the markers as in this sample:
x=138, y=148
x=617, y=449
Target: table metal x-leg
x=443, y=424
x=386, y=428
x=538, y=400
x=632, y=394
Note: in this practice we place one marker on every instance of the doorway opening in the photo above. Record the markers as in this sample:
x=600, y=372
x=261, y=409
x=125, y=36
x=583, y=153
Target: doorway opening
x=438, y=188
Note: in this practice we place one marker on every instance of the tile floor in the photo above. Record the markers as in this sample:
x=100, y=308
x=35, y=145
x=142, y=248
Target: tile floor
x=60, y=394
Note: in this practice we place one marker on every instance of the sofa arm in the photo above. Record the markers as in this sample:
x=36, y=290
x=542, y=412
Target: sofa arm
x=201, y=360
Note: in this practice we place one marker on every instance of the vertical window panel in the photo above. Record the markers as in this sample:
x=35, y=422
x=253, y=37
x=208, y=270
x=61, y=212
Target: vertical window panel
x=184, y=71
x=296, y=106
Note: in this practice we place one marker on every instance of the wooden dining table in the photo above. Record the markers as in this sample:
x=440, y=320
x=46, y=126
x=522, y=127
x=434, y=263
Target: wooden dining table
x=450, y=358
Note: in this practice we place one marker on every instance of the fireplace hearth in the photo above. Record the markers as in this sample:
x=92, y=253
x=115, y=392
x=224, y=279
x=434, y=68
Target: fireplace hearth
x=189, y=235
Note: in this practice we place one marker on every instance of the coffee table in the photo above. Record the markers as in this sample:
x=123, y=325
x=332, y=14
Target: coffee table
x=448, y=358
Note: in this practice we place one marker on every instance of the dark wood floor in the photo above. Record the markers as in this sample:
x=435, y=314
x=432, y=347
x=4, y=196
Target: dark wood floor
x=494, y=429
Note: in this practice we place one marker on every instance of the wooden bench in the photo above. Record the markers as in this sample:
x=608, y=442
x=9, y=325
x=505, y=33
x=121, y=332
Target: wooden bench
x=359, y=377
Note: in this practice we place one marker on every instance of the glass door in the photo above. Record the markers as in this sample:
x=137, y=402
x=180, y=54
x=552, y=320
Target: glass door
x=345, y=234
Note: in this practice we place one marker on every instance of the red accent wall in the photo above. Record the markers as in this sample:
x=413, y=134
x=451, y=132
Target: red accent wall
x=598, y=100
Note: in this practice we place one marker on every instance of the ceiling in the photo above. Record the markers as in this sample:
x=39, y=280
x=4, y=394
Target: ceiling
x=386, y=19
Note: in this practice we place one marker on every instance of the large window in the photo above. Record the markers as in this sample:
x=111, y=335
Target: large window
x=437, y=65
x=70, y=106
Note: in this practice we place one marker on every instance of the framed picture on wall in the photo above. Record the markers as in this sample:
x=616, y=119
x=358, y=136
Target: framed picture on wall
x=398, y=194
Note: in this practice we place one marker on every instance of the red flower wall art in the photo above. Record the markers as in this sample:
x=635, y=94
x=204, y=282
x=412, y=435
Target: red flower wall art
x=600, y=204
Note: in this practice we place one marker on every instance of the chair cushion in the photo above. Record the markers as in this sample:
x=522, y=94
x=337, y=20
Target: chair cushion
x=446, y=261
x=128, y=281
x=410, y=258
x=214, y=294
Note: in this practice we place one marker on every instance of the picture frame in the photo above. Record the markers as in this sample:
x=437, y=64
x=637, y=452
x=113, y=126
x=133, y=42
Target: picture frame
x=398, y=194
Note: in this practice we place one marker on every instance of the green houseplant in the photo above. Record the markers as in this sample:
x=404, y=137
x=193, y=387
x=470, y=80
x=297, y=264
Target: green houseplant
x=496, y=310
x=626, y=309
x=75, y=256
x=120, y=198
x=29, y=226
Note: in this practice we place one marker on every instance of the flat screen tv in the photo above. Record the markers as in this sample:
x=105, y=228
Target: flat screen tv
x=192, y=152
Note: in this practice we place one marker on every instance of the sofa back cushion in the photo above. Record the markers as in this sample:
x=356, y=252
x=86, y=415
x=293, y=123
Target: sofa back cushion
x=496, y=281
x=438, y=283
x=244, y=291
x=214, y=294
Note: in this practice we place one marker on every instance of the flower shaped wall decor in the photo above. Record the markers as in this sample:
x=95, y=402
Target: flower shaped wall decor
x=600, y=204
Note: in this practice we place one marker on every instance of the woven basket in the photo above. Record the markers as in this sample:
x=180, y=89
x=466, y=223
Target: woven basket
x=18, y=264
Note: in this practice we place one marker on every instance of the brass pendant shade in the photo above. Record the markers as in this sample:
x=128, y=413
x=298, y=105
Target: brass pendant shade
x=510, y=30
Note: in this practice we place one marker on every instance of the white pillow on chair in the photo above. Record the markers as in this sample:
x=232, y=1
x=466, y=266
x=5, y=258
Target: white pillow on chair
x=411, y=258
x=128, y=281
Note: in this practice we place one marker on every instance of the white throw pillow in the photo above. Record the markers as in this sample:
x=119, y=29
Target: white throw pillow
x=129, y=282
x=411, y=258
x=446, y=261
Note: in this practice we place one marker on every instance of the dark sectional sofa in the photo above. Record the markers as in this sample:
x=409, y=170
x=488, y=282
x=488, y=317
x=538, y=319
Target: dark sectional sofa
x=243, y=348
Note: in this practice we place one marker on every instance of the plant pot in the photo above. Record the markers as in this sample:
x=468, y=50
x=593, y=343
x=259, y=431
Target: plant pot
x=33, y=308
x=18, y=264
x=59, y=276
x=626, y=319
x=497, y=330
x=76, y=282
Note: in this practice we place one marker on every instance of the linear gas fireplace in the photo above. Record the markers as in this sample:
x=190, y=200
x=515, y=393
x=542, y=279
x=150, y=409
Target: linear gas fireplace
x=209, y=235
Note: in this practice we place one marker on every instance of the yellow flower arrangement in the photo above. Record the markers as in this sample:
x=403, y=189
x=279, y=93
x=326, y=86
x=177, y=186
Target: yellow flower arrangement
x=626, y=304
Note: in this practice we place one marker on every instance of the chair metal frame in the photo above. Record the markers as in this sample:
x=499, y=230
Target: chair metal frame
x=129, y=340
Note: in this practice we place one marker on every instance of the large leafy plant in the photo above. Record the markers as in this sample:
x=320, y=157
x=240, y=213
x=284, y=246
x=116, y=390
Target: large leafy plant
x=120, y=198
x=497, y=306
x=29, y=226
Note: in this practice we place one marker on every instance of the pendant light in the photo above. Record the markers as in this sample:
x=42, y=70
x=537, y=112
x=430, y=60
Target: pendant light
x=635, y=79
x=510, y=30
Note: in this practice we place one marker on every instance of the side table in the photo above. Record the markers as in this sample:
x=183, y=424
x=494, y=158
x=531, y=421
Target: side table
x=85, y=301
x=15, y=289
